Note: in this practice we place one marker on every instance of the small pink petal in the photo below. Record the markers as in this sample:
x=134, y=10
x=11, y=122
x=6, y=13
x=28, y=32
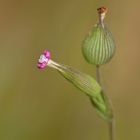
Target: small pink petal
x=47, y=54
x=40, y=66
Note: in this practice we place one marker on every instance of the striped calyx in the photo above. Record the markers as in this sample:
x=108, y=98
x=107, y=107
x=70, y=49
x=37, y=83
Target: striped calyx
x=88, y=85
x=99, y=47
x=84, y=82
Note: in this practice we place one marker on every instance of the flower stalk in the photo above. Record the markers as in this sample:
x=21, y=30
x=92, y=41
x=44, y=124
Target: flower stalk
x=111, y=123
x=98, y=48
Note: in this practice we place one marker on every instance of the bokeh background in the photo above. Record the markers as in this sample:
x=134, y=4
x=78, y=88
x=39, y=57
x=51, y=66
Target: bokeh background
x=42, y=105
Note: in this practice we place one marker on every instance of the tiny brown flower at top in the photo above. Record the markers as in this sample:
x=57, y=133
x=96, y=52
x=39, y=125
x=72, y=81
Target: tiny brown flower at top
x=102, y=10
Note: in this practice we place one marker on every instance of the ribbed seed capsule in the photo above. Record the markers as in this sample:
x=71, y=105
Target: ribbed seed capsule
x=99, y=47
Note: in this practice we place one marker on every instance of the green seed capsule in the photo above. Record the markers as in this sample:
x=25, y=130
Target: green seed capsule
x=98, y=47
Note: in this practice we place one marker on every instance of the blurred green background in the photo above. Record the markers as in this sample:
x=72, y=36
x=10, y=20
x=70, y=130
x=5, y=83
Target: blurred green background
x=41, y=105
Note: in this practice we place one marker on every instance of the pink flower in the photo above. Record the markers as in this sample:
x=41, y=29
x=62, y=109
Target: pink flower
x=43, y=60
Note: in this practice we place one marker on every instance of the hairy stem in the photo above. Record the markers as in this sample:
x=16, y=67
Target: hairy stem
x=112, y=122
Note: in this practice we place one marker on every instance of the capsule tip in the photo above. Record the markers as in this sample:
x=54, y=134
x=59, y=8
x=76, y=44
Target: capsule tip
x=102, y=10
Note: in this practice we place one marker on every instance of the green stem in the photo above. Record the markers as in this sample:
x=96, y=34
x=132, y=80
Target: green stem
x=112, y=129
x=112, y=122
